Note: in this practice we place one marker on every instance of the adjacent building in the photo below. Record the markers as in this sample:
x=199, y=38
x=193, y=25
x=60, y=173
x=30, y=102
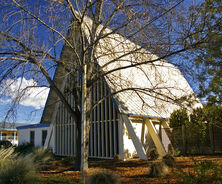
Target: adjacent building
x=9, y=132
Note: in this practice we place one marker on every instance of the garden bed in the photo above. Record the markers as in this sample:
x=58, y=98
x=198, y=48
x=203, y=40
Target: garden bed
x=130, y=172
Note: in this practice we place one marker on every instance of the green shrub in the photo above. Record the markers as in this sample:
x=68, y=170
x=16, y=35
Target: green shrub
x=18, y=171
x=199, y=116
x=198, y=123
x=214, y=114
x=205, y=172
x=24, y=149
x=178, y=118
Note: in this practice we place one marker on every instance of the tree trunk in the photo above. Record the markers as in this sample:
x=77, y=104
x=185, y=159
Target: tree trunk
x=78, y=146
x=85, y=151
x=86, y=109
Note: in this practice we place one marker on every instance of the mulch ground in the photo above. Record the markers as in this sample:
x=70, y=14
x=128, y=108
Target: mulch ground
x=130, y=172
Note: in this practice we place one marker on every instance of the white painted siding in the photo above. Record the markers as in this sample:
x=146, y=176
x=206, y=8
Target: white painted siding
x=129, y=148
x=24, y=136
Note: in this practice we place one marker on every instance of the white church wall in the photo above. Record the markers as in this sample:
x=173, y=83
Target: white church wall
x=129, y=148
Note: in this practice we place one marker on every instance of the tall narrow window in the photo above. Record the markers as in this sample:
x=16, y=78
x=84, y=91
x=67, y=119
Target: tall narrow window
x=32, y=137
x=44, y=135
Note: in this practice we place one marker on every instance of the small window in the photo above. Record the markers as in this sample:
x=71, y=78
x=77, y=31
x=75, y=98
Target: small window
x=32, y=137
x=44, y=135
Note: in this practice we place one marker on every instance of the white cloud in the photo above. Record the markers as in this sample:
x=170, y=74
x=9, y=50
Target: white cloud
x=32, y=95
x=5, y=101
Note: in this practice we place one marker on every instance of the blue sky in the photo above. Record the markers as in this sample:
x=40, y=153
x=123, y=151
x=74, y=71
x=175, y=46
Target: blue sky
x=25, y=114
x=30, y=108
x=31, y=104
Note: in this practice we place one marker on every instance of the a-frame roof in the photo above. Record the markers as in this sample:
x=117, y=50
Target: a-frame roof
x=154, y=88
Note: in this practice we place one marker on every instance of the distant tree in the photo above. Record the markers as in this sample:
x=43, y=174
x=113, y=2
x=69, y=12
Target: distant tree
x=213, y=114
x=209, y=57
x=198, y=122
x=178, y=118
x=200, y=117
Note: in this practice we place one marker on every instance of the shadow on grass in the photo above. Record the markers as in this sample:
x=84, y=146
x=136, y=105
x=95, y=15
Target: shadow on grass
x=112, y=164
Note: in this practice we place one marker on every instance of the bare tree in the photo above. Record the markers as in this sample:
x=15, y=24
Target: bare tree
x=33, y=35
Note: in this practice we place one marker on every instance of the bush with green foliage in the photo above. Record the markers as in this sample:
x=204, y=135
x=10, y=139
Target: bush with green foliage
x=198, y=122
x=24, y=149
x=178, y=118
x=204, y=172
x=213, y=114
x=197, y=125
x=200, y=116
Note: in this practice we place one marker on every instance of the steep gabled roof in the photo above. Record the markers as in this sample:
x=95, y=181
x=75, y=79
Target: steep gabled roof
x=53, y=100
x=153, y=87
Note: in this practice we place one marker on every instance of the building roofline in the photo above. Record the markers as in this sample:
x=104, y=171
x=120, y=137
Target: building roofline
x=39, y=125
x=145, y=116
